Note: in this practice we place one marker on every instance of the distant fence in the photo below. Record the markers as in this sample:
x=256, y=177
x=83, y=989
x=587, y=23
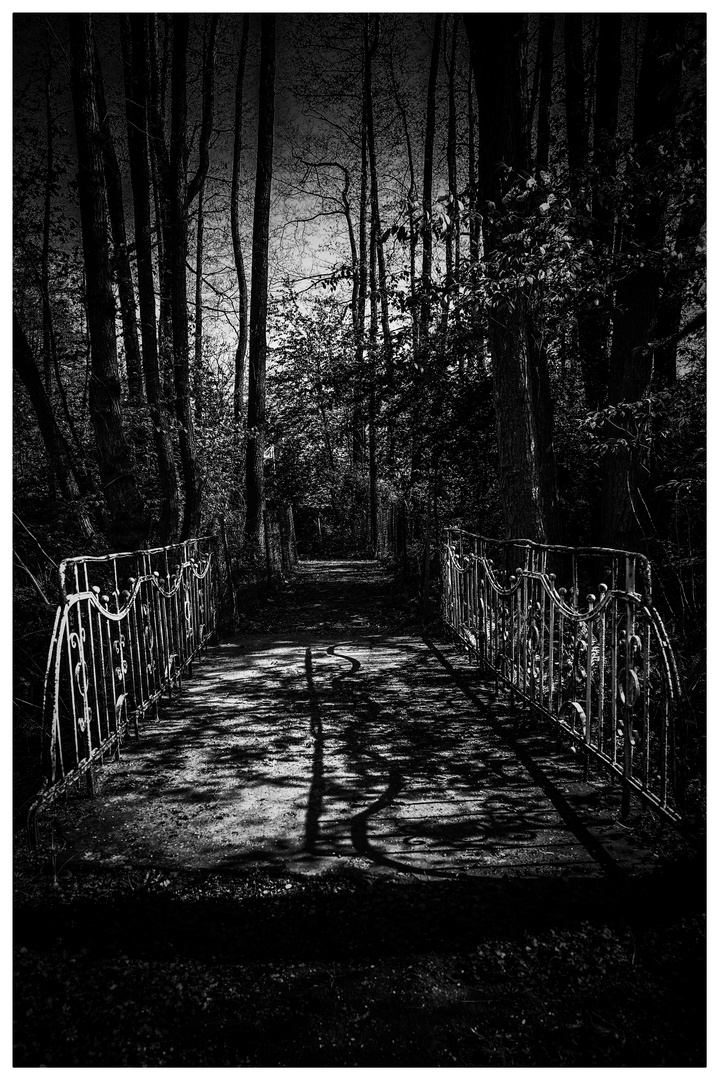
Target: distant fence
x=130, y=626
x=567, y=630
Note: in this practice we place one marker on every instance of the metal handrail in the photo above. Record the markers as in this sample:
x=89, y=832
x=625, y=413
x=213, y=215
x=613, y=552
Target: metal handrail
x=604, y=673
x=116, y=647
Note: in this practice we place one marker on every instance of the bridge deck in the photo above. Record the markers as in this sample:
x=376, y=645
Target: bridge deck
x=334, y=736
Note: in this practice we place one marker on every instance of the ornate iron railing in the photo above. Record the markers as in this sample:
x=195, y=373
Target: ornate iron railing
x=131, y=624
x=602, y=671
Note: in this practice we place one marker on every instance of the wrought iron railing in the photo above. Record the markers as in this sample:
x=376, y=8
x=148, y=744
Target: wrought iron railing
x=567, y=631
x=131, y=624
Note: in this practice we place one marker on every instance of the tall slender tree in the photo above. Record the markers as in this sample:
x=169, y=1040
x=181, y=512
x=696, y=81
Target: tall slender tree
x=178, y=265
x=524, y=429
x=136, y=63
x=638, y=293
x=241, y=351
x=256, y=415
x=127, y=525
x=121, y=256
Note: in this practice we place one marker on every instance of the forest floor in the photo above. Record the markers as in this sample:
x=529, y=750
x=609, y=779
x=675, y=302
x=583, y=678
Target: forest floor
x=340, y=848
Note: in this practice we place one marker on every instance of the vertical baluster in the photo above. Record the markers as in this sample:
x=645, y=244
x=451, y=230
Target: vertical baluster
x=91, y=619
x=105, y=665
x=71, y=670
x=85, y=739
x=647, y=671
x=137, y=644
x=629, y=587
x=615, y=661
x=600, y=676
x=550, y=651
x=542, y=637
x=192, y=591
x=167, y=620
x=529, y=626
x=127, y=656
x=182, y=613
x=163, y=652
x=664, y=746
x=113, y=725
x=148, y=636
x=157, y=651
x=512, y=599
x=178, y=617
x=588, y=700
x=560, y=661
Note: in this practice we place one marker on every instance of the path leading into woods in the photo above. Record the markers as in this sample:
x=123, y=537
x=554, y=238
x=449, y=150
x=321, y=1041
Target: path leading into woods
x=334, y=736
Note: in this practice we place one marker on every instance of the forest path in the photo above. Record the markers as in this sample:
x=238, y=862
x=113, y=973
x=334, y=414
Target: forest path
x=335, y=737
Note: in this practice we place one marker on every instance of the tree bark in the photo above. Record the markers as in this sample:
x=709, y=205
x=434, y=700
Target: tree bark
x=358, y=413
x=136, y=61
x=520, y=379
x=545, y=65
x=574, y=94
x=58, y=452
x=258, y=301
x=426, y=301
x=372, y=411
x=208, y=111
x=123, y=498
x=197, y=380
x=197, y=188
x=451, y=240
x=241, y=351
x=178, y=265
x=638, y=294
x=121, y=258
x=593, y=319
x=160, y=166
x=371, y=42
x=412, y=207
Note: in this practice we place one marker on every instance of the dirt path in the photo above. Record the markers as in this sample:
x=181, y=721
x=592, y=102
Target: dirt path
x=331, y=738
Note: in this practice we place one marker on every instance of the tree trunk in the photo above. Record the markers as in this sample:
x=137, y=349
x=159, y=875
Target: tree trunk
x=545, y=65
x=258, y=301
x=235, y=225
x=358, y=419
x=426, y=301
x=520, y=380
x=574, y=95
x=451, y=240
x=638, y=294
x=121, y=258
x=674, y=297
x=373, y=336
x=197, y=188
x=412, y=207
x=160, y=165
x=593, y=318
x=474, y=226
x=197, y=375
x=58, y=452
x=208, y=111
x=371, y=42
x=123, y=499
x=178, y=265
x=136, y=62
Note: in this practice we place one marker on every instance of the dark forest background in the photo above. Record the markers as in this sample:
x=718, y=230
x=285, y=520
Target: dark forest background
x=447, y=265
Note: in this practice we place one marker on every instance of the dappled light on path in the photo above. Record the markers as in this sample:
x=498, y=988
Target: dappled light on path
x=314, y=746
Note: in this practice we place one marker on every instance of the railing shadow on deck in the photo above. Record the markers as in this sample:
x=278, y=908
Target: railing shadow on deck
x=131, y=625
x=574, y=633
